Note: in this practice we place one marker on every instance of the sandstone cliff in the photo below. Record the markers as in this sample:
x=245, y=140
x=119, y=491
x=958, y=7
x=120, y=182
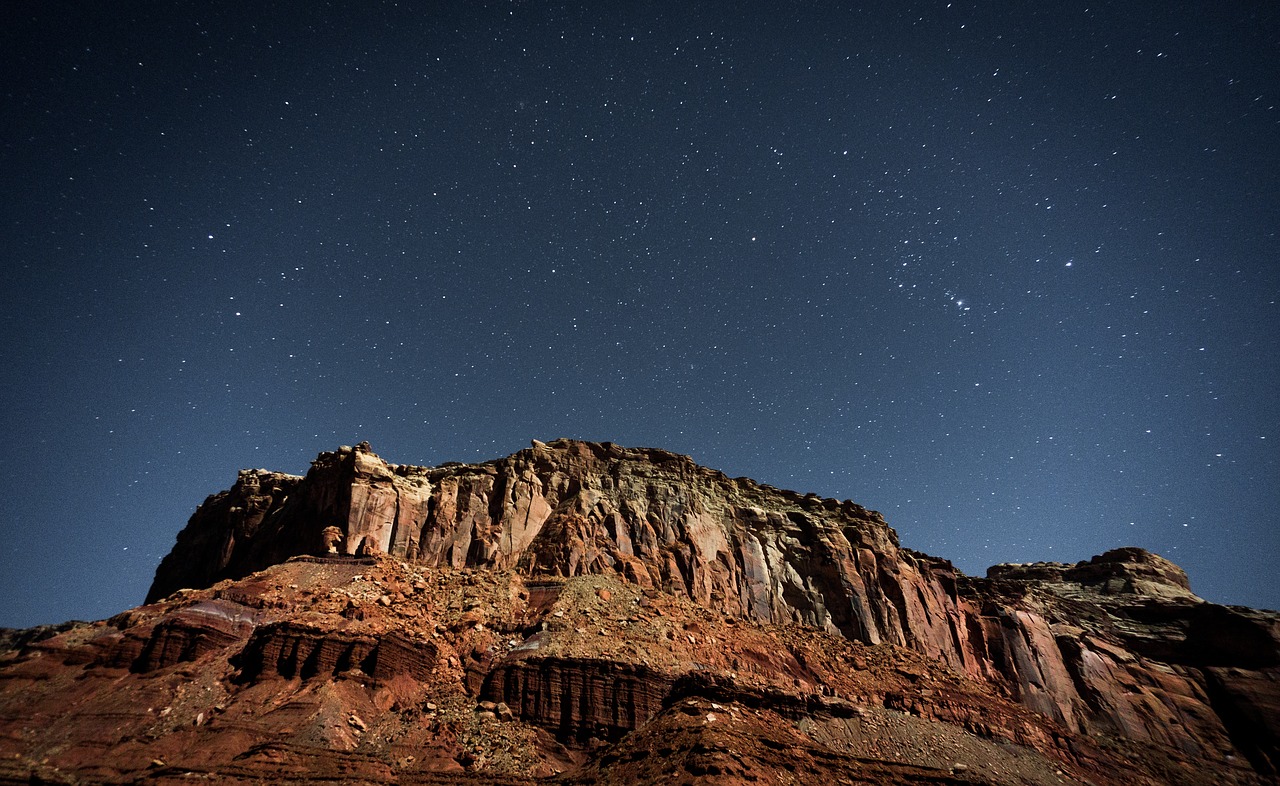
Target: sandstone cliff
x=1076, y=643
x=738, y=595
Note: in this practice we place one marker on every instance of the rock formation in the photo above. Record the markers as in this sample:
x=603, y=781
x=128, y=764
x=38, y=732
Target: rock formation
x=619, y=614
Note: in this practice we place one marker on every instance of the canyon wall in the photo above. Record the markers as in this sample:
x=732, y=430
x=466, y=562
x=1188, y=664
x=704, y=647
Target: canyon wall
x=1116, y=646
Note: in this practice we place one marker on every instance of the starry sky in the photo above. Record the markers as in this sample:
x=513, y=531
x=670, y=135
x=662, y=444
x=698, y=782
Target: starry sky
x=1007, y=272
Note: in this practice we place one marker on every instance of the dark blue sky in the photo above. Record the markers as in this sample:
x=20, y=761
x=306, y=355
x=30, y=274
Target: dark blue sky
x=1007, y=273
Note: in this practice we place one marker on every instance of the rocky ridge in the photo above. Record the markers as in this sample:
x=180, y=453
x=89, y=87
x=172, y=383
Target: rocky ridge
x=577, y=608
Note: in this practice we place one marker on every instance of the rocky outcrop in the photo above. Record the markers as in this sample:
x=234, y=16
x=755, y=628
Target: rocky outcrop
x=384, y=671
x=227, y=531
x=376, y=670
x=573, y=508
x=579, y=698
x=190, y=633
x=268, y=517
x=595, y=593
x=1142, y=657
x=1116, y=645
x=287, y=649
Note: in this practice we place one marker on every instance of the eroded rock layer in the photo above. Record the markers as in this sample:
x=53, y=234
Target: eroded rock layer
x=729, y=603
x=393, y=672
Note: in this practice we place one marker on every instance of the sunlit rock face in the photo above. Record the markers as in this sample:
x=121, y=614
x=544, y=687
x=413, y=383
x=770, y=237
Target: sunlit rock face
x=571, y=508
x=1116, y=646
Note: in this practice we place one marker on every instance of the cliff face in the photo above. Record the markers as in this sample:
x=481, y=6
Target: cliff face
x=740, y=595
x=1075, y=643
x=573, y=508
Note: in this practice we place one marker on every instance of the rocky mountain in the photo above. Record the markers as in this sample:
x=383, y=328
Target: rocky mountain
x=584, y=613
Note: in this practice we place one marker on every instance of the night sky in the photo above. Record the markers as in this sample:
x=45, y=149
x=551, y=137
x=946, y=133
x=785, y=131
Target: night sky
x=1007, y=272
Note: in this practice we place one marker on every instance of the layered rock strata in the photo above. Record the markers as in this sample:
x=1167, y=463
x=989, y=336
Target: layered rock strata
x=384, y=671
x=1115, y=651
x=1116, y=645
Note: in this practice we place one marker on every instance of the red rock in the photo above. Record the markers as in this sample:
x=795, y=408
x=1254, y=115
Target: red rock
x=777, y=606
